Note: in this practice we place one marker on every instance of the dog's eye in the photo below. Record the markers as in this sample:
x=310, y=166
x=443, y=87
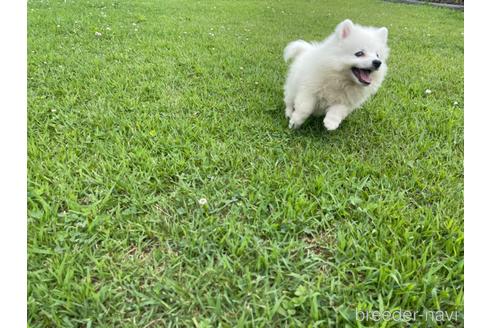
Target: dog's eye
x=377, y=55
x=359, y=53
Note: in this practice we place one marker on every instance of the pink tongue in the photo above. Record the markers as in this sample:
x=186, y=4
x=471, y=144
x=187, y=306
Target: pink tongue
x=364, y=76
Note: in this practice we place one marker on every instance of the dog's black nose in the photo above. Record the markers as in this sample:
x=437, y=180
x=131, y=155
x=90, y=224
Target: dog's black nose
x=376, y=63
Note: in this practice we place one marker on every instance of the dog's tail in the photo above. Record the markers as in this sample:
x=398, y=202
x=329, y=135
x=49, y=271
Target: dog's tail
x=295, y=48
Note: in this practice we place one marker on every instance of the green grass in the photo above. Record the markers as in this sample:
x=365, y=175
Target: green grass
x=182, y=100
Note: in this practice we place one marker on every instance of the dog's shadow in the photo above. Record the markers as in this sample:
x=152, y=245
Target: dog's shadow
x=348, y=137
x=313, y=127
x=313, y=130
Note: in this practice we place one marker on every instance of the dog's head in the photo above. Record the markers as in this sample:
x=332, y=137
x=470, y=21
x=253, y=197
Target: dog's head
x=363, y=52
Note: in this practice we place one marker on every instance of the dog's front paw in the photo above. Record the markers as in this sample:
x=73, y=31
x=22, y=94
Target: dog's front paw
x=331, y=123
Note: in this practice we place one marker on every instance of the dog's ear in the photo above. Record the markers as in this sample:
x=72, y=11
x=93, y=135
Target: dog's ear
x=383, y=34
x=344, y=29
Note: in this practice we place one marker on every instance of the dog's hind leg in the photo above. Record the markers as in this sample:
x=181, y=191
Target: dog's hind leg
x=289, y=104
x=289, y=109
x=304, y=106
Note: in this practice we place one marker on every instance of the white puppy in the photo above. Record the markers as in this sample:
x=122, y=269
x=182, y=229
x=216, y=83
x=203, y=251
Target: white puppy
x=336, y=76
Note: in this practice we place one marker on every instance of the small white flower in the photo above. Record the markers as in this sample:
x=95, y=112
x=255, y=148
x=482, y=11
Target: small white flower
x=98, y=34
x=211, y=34
x=241, y=68
x=134, y=24
x=428, y=91
x=202, y=201
x=108, y=28
x=256, y=83
x=53, y=110
x=58, y=25
x=455, y=103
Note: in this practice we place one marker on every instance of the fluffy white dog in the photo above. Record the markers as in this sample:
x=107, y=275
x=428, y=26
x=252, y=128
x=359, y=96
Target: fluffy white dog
x=335, y=76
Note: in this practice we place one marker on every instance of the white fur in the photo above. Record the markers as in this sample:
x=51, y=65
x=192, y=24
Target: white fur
x=320, y=80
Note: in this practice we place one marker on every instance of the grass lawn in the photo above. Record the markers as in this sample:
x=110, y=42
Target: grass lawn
x=174, y=101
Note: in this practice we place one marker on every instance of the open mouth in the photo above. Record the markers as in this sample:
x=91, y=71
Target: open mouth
x=363, y=75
